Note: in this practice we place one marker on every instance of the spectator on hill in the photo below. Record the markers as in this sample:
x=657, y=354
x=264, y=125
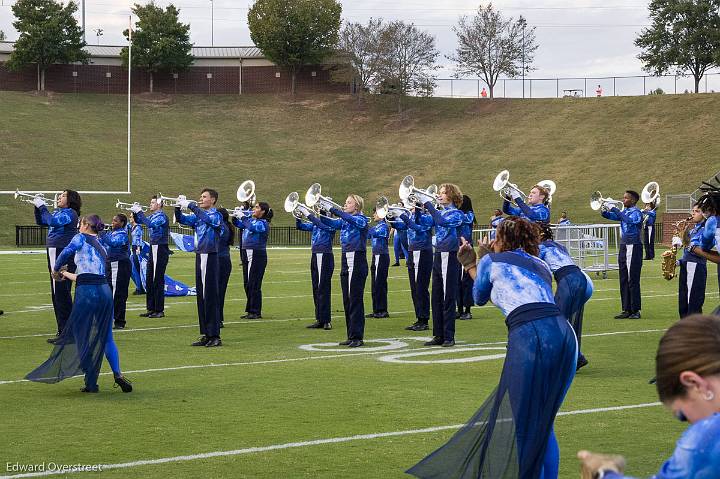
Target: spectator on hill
x=483, y=93
x=564, y=221
x=599, y=91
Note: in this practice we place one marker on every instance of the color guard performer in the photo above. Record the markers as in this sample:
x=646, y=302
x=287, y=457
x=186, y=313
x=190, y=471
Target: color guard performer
x=159, y=227
x=255, y=230
x=322, y=266
x=62, y=227
x=379, y=236
x=207, y=223
x=117, y=266
x=420, y=264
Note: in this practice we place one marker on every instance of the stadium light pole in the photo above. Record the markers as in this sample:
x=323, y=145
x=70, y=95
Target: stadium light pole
x=522, y=22
x=212, y=23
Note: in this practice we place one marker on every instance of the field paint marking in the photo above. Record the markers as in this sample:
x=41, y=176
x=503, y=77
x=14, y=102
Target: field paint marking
x=349, y=353
x=314, y=442
x=400, y=357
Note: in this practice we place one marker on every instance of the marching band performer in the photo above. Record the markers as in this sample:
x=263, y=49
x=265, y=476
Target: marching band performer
x=446, y=269
x=511, y=435
x=564, y=220
x=227, y=240
x=353, y=226
x=379, y=235
x=137, y=244
x=693, y=267
x=62, y=227
x=649, y=230
x=117, y=266
x=254, y=242
x=536, y=209
x=400, y=244
x=574, y=287
x=420, y=264
x=630, y=254
x=709, y=202
x=88, y=334
x=495, y=220
x=159, y=228
x=322, y=266
x=464, y=298
x=207, y=223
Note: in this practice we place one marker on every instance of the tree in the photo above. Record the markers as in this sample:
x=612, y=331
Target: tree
x=48, y=34
x=358, y=55
x=406, y=60
x=160, y=42
x=293, y=33
x=684, y=37
x=489, y=45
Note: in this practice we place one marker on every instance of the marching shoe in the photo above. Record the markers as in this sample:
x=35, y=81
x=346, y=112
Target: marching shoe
x=214, y=343
x=635, y=315
x=420, y=327
x=457, y=315
x=435, y=342
x=395, y=264
x=384, y=314
x=623, y=315
x=146, y=314
x=87, y=389
x=137, y=293
x=449, y=343
x=124, y=384
x=159, y=314
x=327, y=326
x=581, y=362
x=119, y=326
x=315, y=325
x=371, y=315
x=356, y=343
x=466, y=316
x=252, y=316
x=201, y=342
x=412, y=326
x=345, y=343
x=54, y=339
x=244, y=316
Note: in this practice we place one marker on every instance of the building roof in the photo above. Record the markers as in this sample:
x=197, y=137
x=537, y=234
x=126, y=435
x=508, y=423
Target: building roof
x=107, y=51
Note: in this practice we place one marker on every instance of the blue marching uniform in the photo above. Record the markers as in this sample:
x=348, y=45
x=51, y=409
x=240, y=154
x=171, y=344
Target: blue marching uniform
x=379, y=235
x=62, y=227
x=400, y=244
x=159, y=227
x=511, y=435
x=118, y=270
x=208, y=228
x=88, y=334
x=494, y=223
x=574, y=287
x=224, y=269
x=464, y=297
x=354, y=268
x=711, y=236
x=446, y=270
x=136, y=248
x=420, y=262
x=693, y=274
x=696, y=455
x=254, y=243
x=649, y=233
x=536, y=213
x=322, y=265
x=630, y=256
x=564, y=222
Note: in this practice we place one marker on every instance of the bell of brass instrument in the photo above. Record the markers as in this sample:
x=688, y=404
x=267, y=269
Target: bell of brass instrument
x=410, y=194
x=597, y=202
x=294, y=206
x=28, y=197
x=669, y=257
x=385, y=210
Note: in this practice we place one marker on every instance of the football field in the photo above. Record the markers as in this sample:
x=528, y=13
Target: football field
x=278, y=400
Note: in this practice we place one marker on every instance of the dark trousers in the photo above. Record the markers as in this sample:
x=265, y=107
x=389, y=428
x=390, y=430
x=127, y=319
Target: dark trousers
x=630, y=263
x=155, y=277
x=691, y=296
x=322, y=266
x=400, y=247
x=649, y=240
x=353, y=273
x=379, y=282
x=464, y=296
x=445, y=281
x=244, y=263
x=118, y=276
x=253, y=275
x=420, y=266
x=225, y=267
x=60, y=291
x=207, y=270
x=135, y=258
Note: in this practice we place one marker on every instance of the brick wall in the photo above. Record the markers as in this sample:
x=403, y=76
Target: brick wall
x=223, y=80
x=669, y=220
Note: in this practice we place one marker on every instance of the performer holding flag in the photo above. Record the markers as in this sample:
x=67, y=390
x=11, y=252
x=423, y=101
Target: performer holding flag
x=158, y=225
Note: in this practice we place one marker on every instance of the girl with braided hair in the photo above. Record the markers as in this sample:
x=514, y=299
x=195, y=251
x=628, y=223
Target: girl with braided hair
x=709, y=204
x=511, y=435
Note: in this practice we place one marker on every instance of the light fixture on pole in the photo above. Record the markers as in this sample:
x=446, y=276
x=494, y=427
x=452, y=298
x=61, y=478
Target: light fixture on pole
x=522, y=22
x=98, y=34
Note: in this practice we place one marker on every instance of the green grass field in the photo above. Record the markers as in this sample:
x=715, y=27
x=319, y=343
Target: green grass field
x=260, y=390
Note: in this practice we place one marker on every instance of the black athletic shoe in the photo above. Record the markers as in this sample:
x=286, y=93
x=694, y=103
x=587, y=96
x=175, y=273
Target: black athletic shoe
x=345, y=343
x=252, y=316
x=90, y=390
x=158, y=314
x=123, y=383
x=382, y=315
x=119, y=326
x=395, y=264
x=435, y=342
x=448, y=344
x=370, y=315
x=635, y=315
x=466, y=316
x=214, y=343
x=315, y=325
x=623, y=315
x=582, y=362
x=327, y=326
x=420, y=327
x=356, y=343
x=2, y=312
x=145, y=315
x=412, y=326
x=201, y=342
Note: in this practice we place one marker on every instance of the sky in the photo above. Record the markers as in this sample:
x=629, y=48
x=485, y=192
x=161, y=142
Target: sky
x=583, y=38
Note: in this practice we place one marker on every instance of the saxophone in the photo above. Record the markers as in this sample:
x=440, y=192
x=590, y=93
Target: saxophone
x=669, y=257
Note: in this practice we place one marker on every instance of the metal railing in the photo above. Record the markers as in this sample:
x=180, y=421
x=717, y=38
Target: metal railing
x=678, y=203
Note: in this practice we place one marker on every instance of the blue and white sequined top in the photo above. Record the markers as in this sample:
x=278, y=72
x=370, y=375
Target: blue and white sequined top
x=89, y=254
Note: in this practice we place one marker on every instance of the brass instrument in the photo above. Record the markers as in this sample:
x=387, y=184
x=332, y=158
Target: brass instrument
x=410, y=194
x=128, y=206
x=28, y=197
x=669, y=257
x=384, y=209
x=597, y=202
x=294, y=206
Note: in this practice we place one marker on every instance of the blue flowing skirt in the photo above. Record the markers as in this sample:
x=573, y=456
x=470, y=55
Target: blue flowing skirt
x=508, y=436
x=571, y=295
x=80, y=348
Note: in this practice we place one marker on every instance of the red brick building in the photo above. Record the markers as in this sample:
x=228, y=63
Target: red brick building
x=216, y=70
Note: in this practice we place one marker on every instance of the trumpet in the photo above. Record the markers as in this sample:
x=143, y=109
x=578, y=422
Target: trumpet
x=128, y=206
x=171, y=201
x=239, y=213
x=409, y=194
x=314, y=198
x=597, y=202
x=651, y=194
x=246, y=192
x=293, y=205
x=385, y=210
x=28, y=197
x=503, y=186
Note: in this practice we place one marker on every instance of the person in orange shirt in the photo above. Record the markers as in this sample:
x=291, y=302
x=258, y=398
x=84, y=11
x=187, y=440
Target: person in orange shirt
x=483, y=93
x=599, y=91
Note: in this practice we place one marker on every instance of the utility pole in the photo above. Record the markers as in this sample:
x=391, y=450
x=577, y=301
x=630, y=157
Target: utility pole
x=212, y=23
x=83, y=18
x=522, y=22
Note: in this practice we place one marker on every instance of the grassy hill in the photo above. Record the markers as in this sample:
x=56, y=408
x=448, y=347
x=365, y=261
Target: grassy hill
x=284, y=144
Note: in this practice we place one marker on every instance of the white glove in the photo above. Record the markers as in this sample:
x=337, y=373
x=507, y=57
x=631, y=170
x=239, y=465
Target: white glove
x=38, y=202
x=184, y=204
x=515, y=194
x=677, y=241
x=423, y=198
x=136, y=208
x=608, y=206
